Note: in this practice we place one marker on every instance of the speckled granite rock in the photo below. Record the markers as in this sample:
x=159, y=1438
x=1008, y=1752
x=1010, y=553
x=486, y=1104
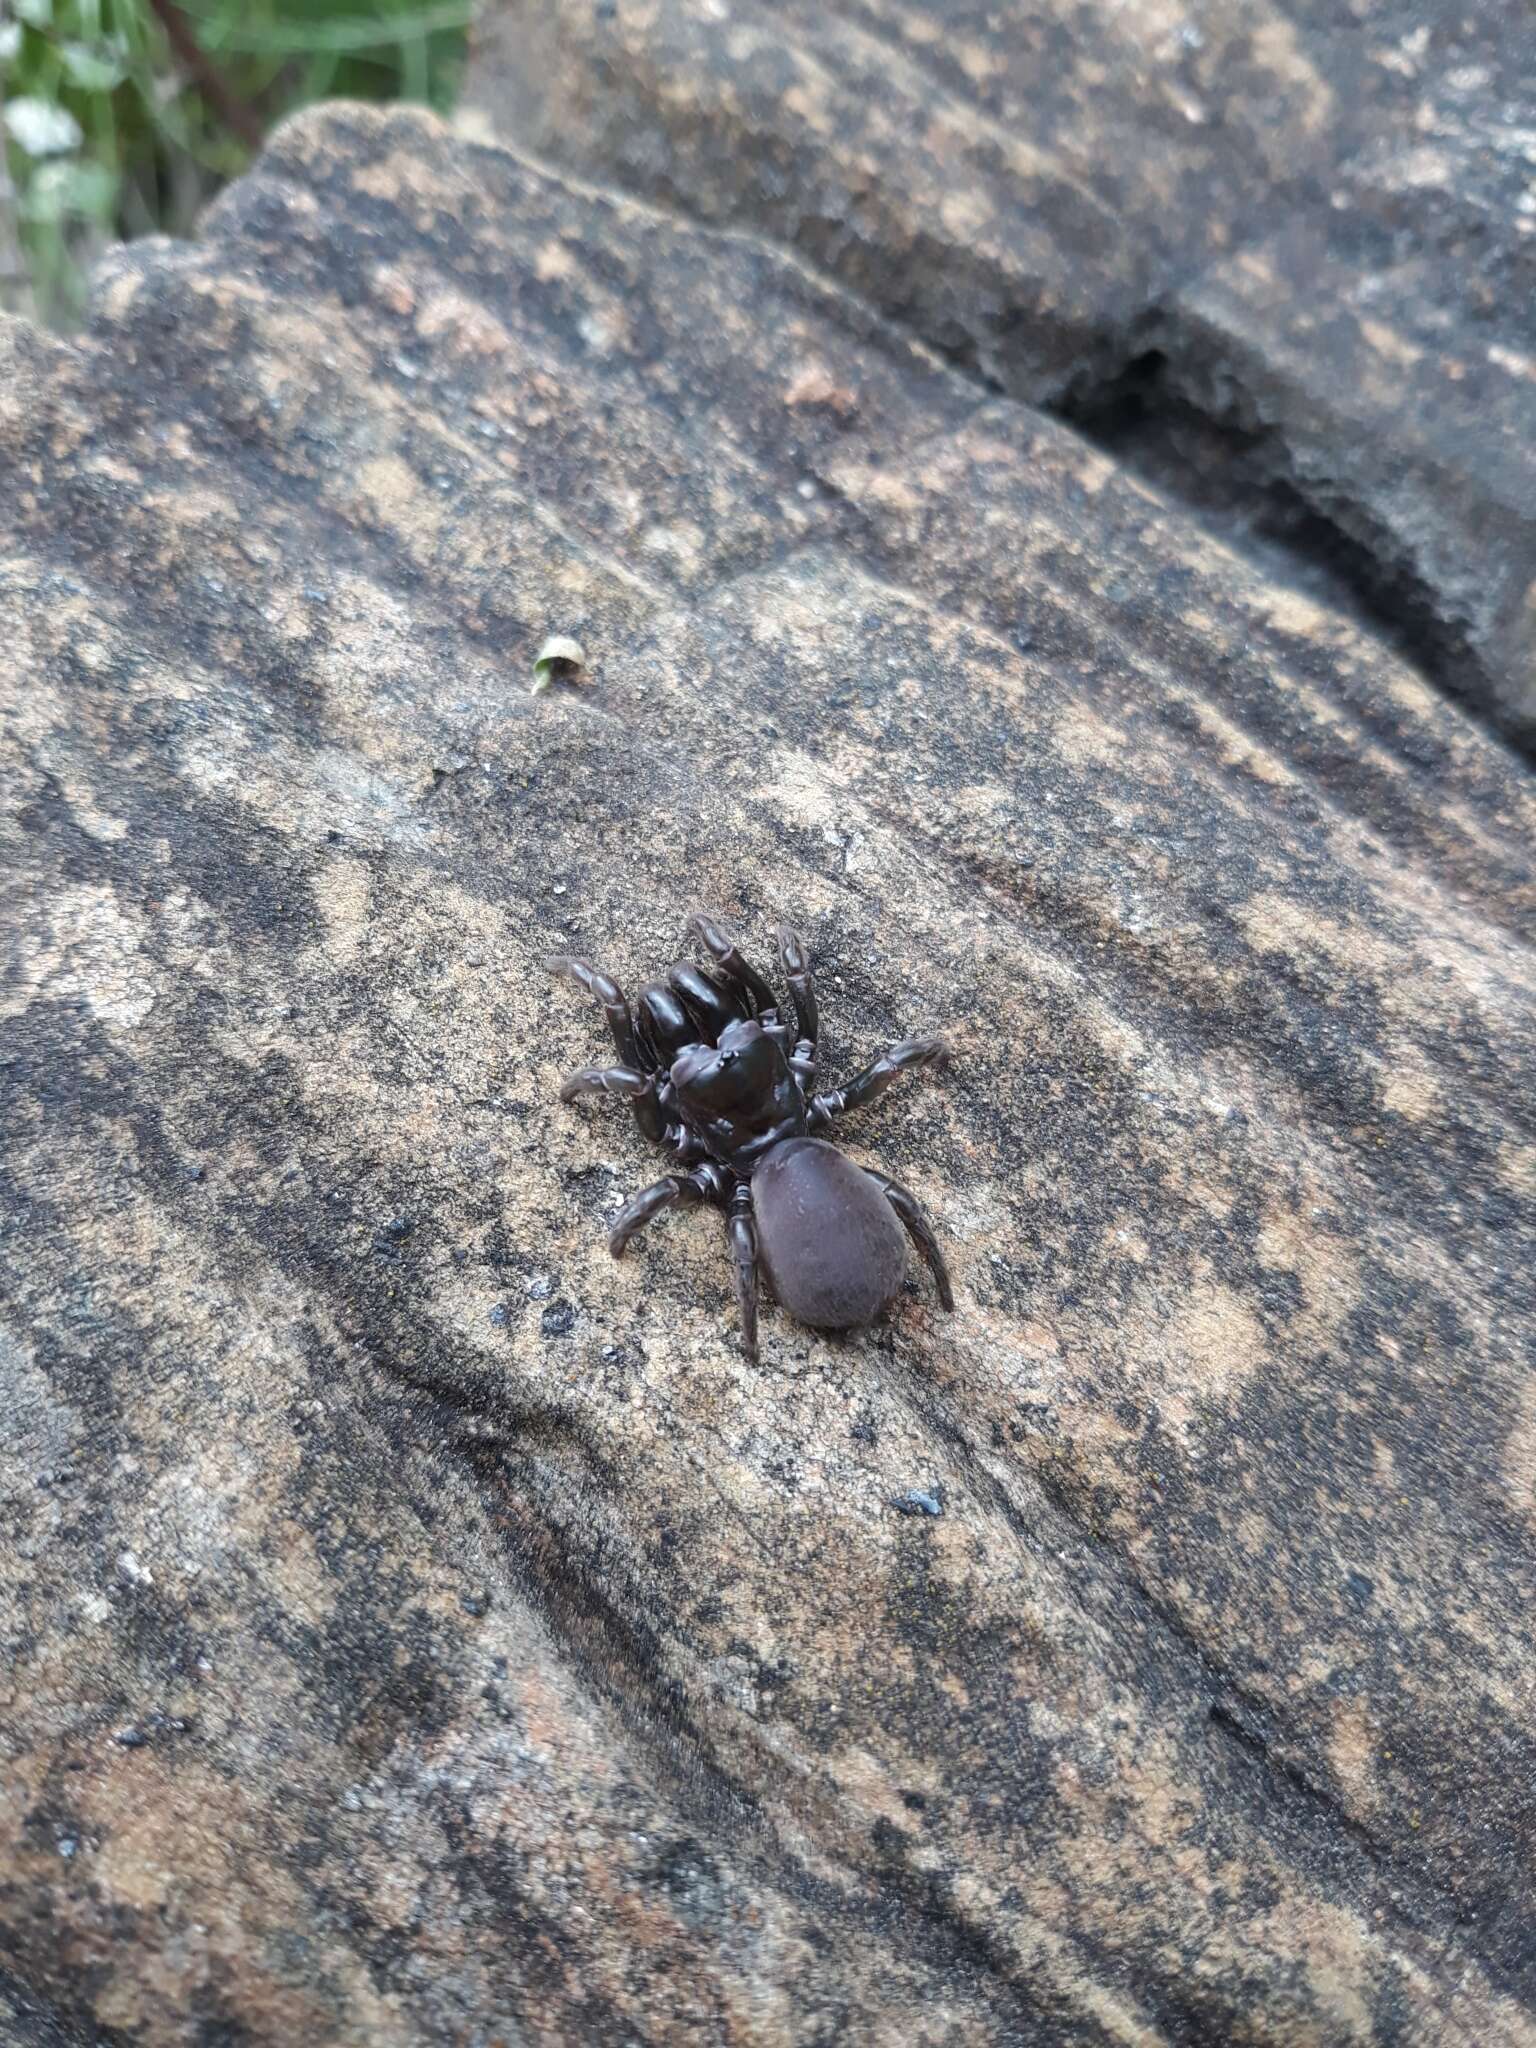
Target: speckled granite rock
x=419, y=1629
x=1281, y=253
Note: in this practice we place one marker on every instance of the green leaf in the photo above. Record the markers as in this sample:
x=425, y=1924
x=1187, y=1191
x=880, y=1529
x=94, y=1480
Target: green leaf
x=93, y=69
x=370, y=31
x=66, y=190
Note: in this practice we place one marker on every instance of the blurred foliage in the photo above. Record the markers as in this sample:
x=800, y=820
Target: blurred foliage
x=123, y=117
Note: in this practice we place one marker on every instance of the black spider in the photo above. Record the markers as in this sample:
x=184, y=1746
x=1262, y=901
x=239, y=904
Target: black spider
x=711, y=1072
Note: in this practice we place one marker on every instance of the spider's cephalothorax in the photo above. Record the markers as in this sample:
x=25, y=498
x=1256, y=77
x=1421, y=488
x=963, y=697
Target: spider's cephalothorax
x=712, y=1073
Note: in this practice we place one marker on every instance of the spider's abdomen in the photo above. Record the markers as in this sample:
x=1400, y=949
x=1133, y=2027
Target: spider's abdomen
x=832, y=1247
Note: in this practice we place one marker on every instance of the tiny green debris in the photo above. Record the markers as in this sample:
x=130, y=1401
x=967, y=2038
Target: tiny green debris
x=559, y=660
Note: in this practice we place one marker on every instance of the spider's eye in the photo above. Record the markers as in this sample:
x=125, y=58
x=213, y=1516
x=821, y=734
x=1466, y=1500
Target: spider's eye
x=728, y=1059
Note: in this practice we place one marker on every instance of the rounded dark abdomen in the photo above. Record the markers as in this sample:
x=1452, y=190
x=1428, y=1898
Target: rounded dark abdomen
x=831, y=1244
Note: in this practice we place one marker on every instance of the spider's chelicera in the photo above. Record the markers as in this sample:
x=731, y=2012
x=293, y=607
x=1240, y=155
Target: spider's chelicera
x=713, y=1072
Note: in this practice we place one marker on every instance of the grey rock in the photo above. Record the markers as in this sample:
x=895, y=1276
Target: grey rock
x=1278, y=255
x=1226, y=914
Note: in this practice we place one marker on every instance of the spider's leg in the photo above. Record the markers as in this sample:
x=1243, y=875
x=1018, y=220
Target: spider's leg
x=722, y=949
x=672, y=1191
x=796, y=963
x=622, y=1081
x=620, y=1022
x=742, y=1232
x=608, y=993
x=919, y=1229
x=663, y=1026
x=709, y=1005
x=876, y=1078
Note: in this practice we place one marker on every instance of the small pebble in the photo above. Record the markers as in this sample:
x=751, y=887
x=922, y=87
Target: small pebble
x=130, y=1738
x=540, y=1287
x=917, y=1503
x=557, y=1319
x=499, y=1315
x=476, y=1603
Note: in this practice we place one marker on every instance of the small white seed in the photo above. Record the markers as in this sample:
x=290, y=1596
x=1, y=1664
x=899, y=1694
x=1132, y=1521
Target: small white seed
x=559, y=660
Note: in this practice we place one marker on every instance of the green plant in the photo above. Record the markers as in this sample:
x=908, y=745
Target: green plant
x=122, y=117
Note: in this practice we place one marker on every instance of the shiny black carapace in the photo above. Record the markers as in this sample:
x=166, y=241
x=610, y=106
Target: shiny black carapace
x=712, y=1073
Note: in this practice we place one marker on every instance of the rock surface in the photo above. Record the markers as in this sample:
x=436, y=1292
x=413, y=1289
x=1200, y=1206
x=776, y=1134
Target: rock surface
x=418, y=1628
x=1281, y=254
